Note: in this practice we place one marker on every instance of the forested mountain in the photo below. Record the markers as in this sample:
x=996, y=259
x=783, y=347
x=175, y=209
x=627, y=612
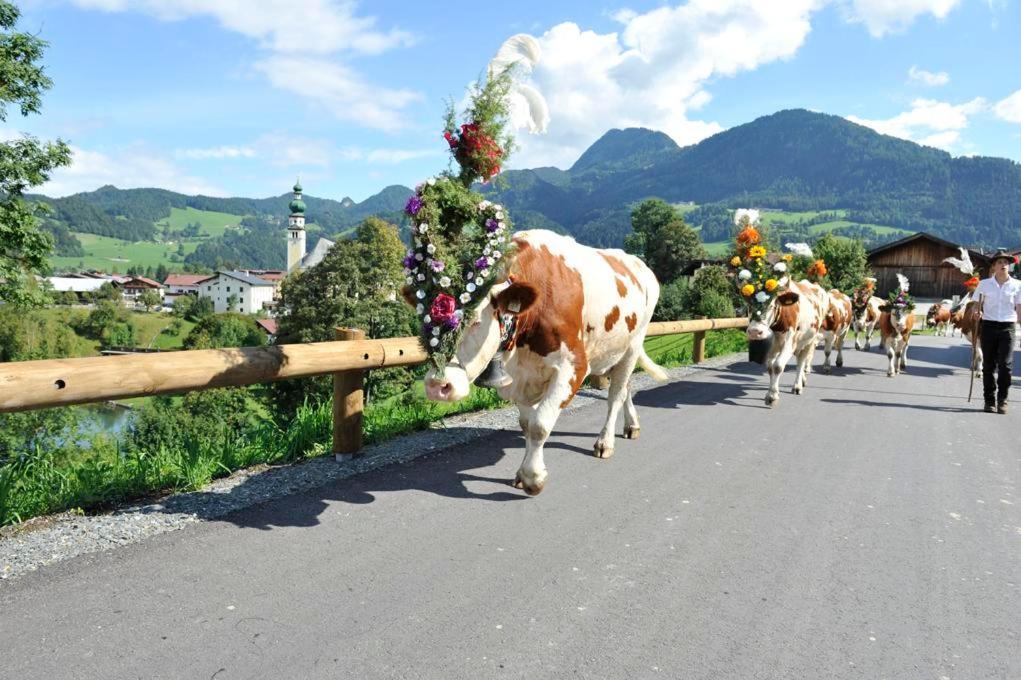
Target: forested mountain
x=792, y=160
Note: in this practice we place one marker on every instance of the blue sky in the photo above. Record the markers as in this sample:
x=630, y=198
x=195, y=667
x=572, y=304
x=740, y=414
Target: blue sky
x=236, y=98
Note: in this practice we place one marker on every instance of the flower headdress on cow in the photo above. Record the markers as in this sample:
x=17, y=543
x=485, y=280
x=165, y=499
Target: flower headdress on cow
x=863, y=293
x=460, y=240
x=758, y=279
x=900, y=297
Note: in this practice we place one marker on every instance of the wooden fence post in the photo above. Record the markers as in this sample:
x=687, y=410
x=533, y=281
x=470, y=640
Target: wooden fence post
x=698, y=346
x=348, y=403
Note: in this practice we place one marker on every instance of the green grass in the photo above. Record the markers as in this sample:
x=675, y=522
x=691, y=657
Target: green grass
x=108, y=254
x=718, y=248
x=675, y=350
x=212, y=223
x=825, y=227
x=786, y=217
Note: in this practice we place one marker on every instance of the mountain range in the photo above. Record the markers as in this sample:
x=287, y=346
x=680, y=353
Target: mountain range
x=791, y=160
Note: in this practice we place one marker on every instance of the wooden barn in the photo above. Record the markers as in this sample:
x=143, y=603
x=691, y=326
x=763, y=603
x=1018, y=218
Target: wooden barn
x=920, y=258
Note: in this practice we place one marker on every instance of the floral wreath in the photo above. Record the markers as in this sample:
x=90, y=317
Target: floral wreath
x=757, y=279
x=899, y=297
x=450, y=273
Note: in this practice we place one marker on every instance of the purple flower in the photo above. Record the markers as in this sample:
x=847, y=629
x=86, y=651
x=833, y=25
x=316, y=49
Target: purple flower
x=482, y=262
x=409, y=261
x=413, y=206
x=492, y=225
x=453, y=321
x=437, y=265
x=428, y=328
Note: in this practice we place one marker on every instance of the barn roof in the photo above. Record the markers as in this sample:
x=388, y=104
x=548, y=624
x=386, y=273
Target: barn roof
x=975, y=255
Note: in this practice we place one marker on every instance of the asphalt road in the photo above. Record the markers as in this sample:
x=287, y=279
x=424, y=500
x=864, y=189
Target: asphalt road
x=870, y=528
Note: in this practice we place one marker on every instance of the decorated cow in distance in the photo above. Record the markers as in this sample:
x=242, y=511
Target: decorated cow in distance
x=789, y=316
x=835, y=327
x=544, y=309
x=865, y=314
x=938, y=317
x=896, y=320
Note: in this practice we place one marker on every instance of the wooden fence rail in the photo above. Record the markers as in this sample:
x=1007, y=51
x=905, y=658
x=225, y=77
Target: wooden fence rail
x=28, y=385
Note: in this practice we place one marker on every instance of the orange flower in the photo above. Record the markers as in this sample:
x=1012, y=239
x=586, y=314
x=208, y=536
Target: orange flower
x=747, y=290
x=735, y=261
x=749, y=236
x=817, y=269
x=757, y=251
x=972, y=283
x=771, y=285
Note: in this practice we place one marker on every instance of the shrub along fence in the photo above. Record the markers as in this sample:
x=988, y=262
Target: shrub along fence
x=48, y=383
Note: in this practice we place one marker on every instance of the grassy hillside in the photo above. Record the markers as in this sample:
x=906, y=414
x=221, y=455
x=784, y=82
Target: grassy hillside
x=212, y=223
x=114, y=255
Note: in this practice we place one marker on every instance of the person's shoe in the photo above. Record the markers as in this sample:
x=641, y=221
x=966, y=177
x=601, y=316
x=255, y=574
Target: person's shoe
x=990, y=408
x=1001, y=407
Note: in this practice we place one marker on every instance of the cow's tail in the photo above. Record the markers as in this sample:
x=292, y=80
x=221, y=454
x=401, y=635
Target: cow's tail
x=652, y=368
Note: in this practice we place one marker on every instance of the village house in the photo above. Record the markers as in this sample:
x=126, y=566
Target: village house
x=133, y=287
x=248, y=294
x=177, y=285
x=920, y=258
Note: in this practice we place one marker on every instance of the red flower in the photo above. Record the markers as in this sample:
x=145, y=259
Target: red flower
x=451, y=140
x=443, y=307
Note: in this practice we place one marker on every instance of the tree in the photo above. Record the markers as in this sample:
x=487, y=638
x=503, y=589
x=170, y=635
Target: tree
x=662, y=239
x=162, y=273
x=24, y=163
x=150, y=299
x=846, y=261
x=110, y=292
x=232, y=302
x=355, y=285
x=225, y=330
x=200, y=309
x=710, y=294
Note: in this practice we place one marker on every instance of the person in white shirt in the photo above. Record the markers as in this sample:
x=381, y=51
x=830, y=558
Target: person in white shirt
x=1000, y=296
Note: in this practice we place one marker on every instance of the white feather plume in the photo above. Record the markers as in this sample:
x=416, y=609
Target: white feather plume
x=528, y=108
x=750, y=213
x=964, y=264
x=903, y=282
x=799, y=249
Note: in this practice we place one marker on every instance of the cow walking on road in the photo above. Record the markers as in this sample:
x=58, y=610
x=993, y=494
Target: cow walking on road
x=793, y=320
x=938, y=317
x=577, y=311
x=896, y=320
x=835, y=327
x=864, y=317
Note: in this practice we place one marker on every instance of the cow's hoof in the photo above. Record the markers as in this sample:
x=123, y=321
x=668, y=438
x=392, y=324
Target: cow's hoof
x=840, y=362
x=771, y=401
x=532, y=487
x=518, y=484
x=796, y=390
x=827, y=370
x=601, y=450
x=889, y=374
x=632, y=432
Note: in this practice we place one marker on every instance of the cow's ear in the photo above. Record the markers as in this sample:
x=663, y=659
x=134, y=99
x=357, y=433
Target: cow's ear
x=885, y=308
x=409, y=296
x=788, y=298
x=516, y=298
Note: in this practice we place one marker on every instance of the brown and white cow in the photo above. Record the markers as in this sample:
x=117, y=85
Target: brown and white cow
x=938, y=317
x=895, y=324
x=968, y=319
x=835, y=327
x=578, y=311
x=794, y=321
x=865, y=316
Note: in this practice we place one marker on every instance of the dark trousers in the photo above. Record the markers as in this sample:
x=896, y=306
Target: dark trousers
x=997, y=359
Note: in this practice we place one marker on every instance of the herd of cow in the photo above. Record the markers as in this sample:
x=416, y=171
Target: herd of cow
x=577, y=311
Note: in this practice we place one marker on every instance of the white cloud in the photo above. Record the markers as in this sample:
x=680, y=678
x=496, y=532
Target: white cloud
x=316, y=26
x=130, y=168
x=889, y=16
x=218, y=152
x=922, y=77
x=1009, y=109
x=929, y=122
x=655, y=71
x=340, y=90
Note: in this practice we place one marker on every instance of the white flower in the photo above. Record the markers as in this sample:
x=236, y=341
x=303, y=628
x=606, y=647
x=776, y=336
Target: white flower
x=433, y=342
x=430, y=249
x=744, y=275
x=436, y=330
x=420, y=308
x=497, y=254
x=478, y=281
x=497, y=207
x=470, y=288
x=750, y=213
x=423, y=228
x=499, y=216
x=799, y=249
x=431, y=181
x=420, y=294
x=484, y=273
x=465, y=298
x=487, y=250
x=445, y=281
x=501, y=225
x=780, y=267
x=426, y=319
x=761, y=296
x=410, y=280
x=484, y=204
x=421, y=277
x=419, y=257
x=469, y=276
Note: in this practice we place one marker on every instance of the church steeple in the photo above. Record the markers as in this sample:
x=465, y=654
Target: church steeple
x=296, y=230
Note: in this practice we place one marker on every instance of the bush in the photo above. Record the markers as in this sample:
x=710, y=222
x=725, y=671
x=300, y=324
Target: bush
x=671, y=301
x=710, y=294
